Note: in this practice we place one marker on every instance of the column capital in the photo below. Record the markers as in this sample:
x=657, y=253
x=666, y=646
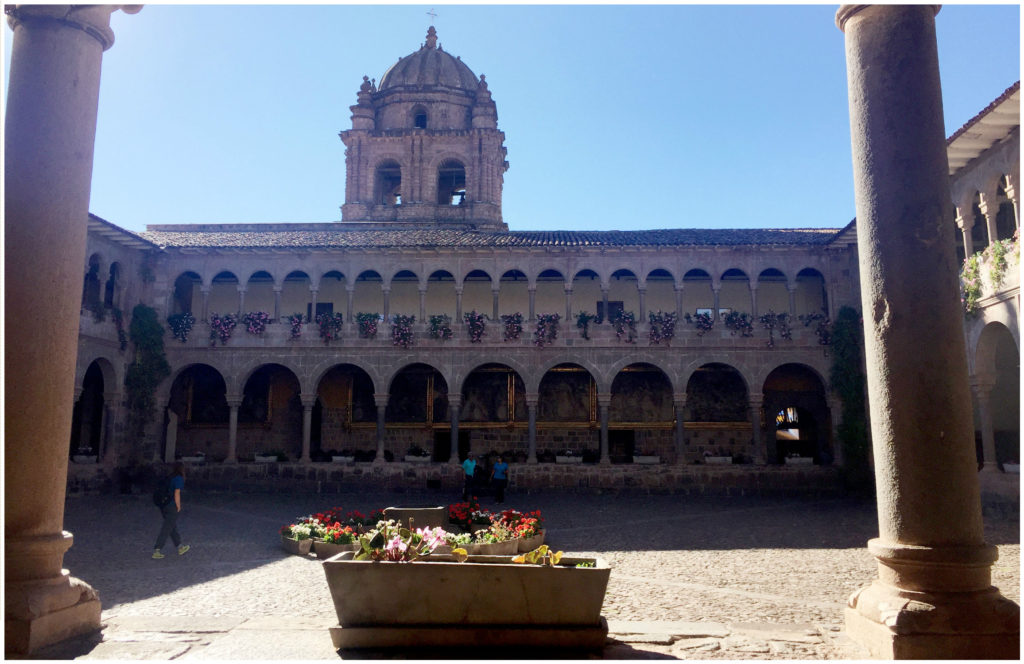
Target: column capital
x=679, y=399
x=94, y=20
x=278, y=289
x=964, y=220
x=454, y=400
x=846, y=12
x=242, y=288
x=234, y=400
x=308, y=400
x=755, y=399
x=531, y=399
x=381, y=400
x=604, y=399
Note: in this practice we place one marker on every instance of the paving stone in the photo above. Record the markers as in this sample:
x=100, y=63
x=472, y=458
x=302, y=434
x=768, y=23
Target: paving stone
x=697, y=644
x=134, y=650
x=655, y=639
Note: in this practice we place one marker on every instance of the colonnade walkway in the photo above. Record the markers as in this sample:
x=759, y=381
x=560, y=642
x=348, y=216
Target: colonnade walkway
x=692, y=578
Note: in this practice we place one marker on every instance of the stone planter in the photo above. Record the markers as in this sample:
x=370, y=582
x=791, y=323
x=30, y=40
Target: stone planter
x=486, y=601
x=343, y=459
x=647, y=459
x=264, y=458
x=296, y=546
x=417, y=459
x=1011, y=468
x=718, y=460
x=193, y=459
x=799, y=461
x=422, y=517
x=568, y=459
x=84, y=458
x=509, y=548
x=325, y=550
x=530, y=543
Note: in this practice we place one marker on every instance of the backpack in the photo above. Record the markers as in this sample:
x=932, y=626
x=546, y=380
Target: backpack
x=162, y=492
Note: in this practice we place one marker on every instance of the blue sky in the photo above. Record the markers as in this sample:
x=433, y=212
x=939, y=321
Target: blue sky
x=616, y=117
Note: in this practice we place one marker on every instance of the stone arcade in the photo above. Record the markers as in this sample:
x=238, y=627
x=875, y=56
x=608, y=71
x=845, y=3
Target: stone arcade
x=422, y=236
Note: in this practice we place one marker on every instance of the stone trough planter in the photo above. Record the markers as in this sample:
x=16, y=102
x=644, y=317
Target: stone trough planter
x=568, y=459
x=527, y=544
x=718, y=460
x=84, y=458
x=325, y=550
x=265, y=458
x=1011, y=468
x=296, y=546
x=193, y=459
x=799, y=461
x=412, y=458
x=646, y=459
x=486, y=601
x=343, y=459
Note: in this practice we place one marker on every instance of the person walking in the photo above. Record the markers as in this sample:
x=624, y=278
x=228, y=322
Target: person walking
x=499, y=477
x=169, y=502
x=469, y=468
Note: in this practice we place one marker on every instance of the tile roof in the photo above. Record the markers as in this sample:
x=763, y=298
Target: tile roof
x=309, y=236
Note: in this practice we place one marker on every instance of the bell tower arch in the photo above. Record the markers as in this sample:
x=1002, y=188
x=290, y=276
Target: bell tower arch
x=424, y=149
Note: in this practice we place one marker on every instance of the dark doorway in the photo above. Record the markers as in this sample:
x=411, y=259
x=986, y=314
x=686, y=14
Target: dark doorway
x=620, y=445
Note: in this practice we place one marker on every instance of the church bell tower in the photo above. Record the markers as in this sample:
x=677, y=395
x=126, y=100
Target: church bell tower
x=424, y=150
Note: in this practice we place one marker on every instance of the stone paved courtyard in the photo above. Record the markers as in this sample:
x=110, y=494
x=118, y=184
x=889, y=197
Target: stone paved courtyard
x=707, y=578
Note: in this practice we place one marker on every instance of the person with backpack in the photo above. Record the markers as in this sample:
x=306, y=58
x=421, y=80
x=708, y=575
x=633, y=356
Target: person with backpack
x=167, y=497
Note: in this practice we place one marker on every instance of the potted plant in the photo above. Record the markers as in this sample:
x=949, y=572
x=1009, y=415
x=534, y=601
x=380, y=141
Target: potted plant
x=475, y=325
x=335, y=540
x=221, y=327
x=713, y=459
x=702, y=321
x=513, y=326
x=416, y=454
x=568, y=456
x=344, y=456
x=295, y=322
x=367, y=324
x=1011, y=467
x=547, y=330
x=646, y=458
x=625, y=326
x=296, y=538
x=401, y=330
x=256, y=322
x=441, y=327
x=196, y=457
x=270, y=457
x=583, y=321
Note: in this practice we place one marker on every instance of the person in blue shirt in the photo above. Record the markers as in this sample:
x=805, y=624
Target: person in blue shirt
x=499, y=477
x=169, y=512
x=469, y=468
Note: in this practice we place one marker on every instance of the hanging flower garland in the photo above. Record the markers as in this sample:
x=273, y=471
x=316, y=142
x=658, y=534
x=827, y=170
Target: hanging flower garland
x=295, y=322
x=823, y=328
x=122, y=336
x=772, y=321
x=625, y=326
x=181, y=325
x=256, y=322
x=475, y=324
x=703, y=322
x=221, y=327
x=739, y=322
x=547, y=330
x=330, y=326
x=583, y=321
x=513, y=326
x=441, y=327
x=401, y=330
x=663, y=326
x=367, y=324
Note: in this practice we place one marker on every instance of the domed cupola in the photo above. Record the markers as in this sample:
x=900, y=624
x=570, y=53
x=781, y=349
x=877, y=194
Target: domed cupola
x=424, y=147
x=429, y=67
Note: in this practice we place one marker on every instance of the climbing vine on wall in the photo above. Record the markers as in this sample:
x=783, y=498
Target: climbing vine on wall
x=147, y=370
x=847, y=381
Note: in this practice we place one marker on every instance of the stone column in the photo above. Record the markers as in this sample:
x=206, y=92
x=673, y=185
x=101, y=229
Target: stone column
x=458, y=304
x=423, y=305
x=642, y=315
x=792, y=299
x=241, y=302
x=532, y=290
x=568, y=303
x=350, y=294
x=679, y=403
x=495, y=314
x=454, y=403
x=312, y=304
x=679, y=301
x=381, y=401
x=308, y=401
x=989, y=207
x=531, y=431
x=716, y=290
x=205, y=313
x=982, y=388
x=753, y=300
x=277, y=304
x=234, y=401
x=761, y=451
x=170, y=448
x=933, y=597
x=53, y=91
x=606, y=319
x=1013, y=193
x=386, y=292
x=603, y=402
x=965, y=222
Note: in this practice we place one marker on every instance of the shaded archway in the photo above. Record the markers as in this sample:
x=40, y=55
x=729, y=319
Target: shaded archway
x=185, y=291
x=417, y=411
x=87, y=418
x=493, y=415
x=198, y=399
x=640, y=415
x=796, y=407
x=997, y=372
x=346, y=412
x=567, y=412
x=270, y=416
x=718, y=414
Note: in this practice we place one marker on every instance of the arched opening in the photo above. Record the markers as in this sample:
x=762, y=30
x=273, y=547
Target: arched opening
x=550, y=295
x=513, y=294
x=476, y=293
x=979, y=232
x=295, y=294
x=796, y=405
x=735, y=293
x=347, y=414
x=1006, y=220
x=224, y=294
x=772, y=291
x=270, y=416
x=199, y=400
x=419, y=117
x=259, y=293
x=697, y=294
x=185, y=287
x=418, y=408
x=567, y=412
x=640, y=415
x=112, y=287
x=91, y=287
x=332, y=297
x=451, y=183
x=586, y=293
x=717, y=415
x=811, y=295
x=87, y=417
x=387, y=183
x=368, y=296
x=440, y=297
x=623, y=295
x=661, y=294
x=405, y=294
x=997, y=366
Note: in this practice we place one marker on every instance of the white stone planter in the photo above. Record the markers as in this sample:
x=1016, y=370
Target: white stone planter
x=417, y=459
x=193, y=459
x=467, y=604
x=263, y=458
x=296, y=546
x=647, y=459
x=718, y=460
x=799, y=461
x=325, y=550
x=343, y=459
x=568, y=459
x=1011, y=468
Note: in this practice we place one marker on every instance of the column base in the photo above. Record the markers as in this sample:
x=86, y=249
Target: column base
x=38, y=614
x=899, y=624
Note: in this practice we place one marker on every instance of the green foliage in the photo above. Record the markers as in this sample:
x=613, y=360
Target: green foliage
x=583, y=321
x=847, y=380
x=147, y=370
x=542, y=555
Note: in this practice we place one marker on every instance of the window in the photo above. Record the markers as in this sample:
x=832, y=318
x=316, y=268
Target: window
x=451, y=183
x=419, y=118
x=387, y=183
